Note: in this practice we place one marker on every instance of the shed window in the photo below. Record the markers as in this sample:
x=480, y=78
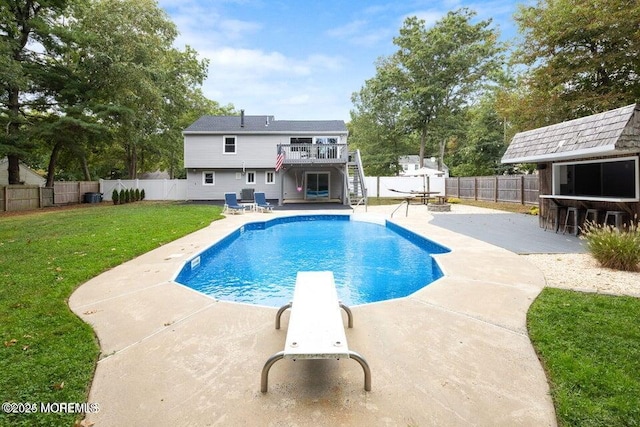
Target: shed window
x=611, y=178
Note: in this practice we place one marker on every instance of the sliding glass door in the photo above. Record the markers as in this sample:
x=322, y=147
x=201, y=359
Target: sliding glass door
x=317, y=186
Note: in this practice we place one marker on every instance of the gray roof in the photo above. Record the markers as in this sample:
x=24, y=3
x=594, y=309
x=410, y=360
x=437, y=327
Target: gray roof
x=604, y=134
x=264, y=124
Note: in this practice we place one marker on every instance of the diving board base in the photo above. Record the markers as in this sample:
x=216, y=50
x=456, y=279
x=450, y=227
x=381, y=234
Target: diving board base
x=316, y=329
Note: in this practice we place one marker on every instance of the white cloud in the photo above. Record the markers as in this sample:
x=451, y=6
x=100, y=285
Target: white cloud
x=273, y=83
x=236, y=29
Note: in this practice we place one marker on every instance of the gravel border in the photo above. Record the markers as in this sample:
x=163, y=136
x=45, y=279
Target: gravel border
x=581, y=272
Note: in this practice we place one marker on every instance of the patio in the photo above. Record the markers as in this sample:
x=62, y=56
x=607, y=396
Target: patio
x=454, y=353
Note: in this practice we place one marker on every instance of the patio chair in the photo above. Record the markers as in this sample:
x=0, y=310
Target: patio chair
x=261, y=203
x=231, y=204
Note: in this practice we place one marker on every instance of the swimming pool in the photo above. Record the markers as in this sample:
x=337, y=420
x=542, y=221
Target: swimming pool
x=258, y=263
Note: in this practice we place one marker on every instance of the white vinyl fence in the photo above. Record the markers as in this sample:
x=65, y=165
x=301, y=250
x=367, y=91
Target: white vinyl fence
x=382, y=186
x=176, y=189
x=154, y=189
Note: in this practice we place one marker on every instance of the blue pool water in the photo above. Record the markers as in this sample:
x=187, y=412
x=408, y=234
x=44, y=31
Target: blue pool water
x=258, y=263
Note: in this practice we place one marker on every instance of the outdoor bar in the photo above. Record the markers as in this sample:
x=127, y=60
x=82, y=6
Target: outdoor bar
x=588, y=169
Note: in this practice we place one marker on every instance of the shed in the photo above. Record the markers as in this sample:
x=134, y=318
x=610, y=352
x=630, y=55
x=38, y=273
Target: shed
x=27, y=176
x=586, y=163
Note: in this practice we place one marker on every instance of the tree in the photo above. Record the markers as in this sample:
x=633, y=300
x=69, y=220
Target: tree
x=443, y=68
x=139, y=80
x=479, y=148
x=31, y=33
x=582, y=58
x=376, y=126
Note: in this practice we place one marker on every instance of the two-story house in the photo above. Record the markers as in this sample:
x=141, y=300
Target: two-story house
x=288, y=160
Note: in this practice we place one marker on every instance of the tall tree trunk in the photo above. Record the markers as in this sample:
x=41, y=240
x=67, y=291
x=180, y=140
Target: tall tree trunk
x=132, y=161
x=13, y=169
x=443, y=144
x=85, y=167
x=423, y=144
x=13, y=128
x=53, y=160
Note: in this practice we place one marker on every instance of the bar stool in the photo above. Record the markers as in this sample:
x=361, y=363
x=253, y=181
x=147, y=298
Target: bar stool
x=618, y=217
x=552, y=216
x=571, y=211
x=592, y=215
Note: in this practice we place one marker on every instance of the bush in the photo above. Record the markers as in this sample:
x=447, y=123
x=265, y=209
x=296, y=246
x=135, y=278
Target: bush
x=142, y=194
x=115, y=196
x=453, y=200
x=613, y=248
x=136, y=195
x=123, y=197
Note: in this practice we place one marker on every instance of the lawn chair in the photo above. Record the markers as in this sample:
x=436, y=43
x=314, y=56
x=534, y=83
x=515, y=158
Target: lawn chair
x=261, y=203
x=231, y=204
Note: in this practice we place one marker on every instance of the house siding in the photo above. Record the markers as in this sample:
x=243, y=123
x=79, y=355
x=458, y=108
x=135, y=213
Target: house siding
x=252, y=151
x=227, y=181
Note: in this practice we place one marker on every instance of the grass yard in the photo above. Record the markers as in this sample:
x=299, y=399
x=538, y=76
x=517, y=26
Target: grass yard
x=47, y=353
x=589, y=345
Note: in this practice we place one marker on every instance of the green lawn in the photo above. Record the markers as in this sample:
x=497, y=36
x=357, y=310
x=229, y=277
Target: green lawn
x=589, y=345
x=47, y=354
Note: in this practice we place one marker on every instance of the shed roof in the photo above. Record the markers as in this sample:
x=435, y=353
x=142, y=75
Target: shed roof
x=264, y=124
x=604, y=134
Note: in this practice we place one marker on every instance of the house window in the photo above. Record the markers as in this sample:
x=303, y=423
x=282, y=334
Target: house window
x=298, y=147
x=229, y=145
x=326, y=147
x=301, y=140
x=208, y=178
x=251, y=177
x=605, y=178
x=269, y=177
x=326, y=140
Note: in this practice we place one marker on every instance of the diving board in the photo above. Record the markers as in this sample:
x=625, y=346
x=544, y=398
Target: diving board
x=316, y=329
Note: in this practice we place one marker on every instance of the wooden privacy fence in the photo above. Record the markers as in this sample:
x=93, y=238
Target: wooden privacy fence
x=522, y=189
x=72, y=191
x=25, y=197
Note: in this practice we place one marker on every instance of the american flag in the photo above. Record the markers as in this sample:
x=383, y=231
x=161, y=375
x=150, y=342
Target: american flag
x=279, y=158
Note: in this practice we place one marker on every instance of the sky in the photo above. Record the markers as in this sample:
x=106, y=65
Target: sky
x=303, y=59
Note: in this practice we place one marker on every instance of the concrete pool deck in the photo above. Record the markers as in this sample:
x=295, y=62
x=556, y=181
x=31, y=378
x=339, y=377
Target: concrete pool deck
x=455, y=353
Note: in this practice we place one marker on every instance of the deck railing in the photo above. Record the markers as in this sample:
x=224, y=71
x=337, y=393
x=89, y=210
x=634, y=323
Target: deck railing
x=314, y=153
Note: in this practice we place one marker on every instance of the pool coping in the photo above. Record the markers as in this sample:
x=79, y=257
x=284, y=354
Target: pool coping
x=456, y=352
